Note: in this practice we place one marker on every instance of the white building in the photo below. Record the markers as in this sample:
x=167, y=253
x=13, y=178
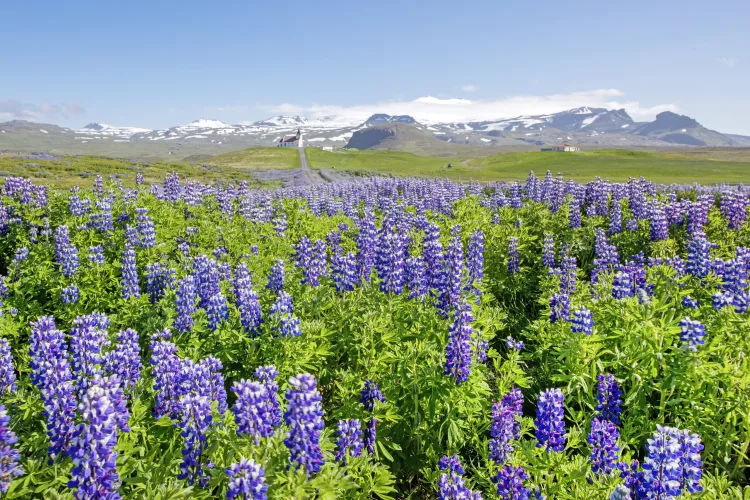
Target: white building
x=291, y=141
x=566, y=148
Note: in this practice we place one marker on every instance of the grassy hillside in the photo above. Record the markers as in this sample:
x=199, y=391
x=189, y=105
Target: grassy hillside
x=259, y=159
x=82, y=170
x=608, y=164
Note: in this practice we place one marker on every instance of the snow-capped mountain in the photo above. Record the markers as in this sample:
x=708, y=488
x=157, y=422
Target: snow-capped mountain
x=104, y=130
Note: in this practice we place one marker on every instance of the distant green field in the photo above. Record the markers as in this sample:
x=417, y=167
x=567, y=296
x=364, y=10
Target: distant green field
x=82, y=170
x=617, y=165
x=259, y=159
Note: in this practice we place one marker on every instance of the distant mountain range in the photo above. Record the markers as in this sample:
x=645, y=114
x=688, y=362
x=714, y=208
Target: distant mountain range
x=592, y=127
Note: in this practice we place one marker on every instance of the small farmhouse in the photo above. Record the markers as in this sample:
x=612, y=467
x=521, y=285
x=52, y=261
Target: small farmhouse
x=291, y=141
x=562, y=148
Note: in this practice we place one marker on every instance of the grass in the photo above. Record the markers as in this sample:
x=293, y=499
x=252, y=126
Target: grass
x=259, y=159
x=82, y=170
x=611, y=164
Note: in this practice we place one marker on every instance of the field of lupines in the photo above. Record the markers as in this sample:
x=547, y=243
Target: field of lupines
x=385, y=338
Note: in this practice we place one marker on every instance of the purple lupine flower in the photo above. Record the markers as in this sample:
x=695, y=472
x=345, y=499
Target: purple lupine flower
x=92, y=447
x=195, y=421
x=574, y=218
x=416, y=277
x=659, y=227
x=7, y=370
x=303, y=256
x=96, y=255
x=690, y=461
x=9, y=456
x=692, y=334
x=615, y=218
x=125, y=360
x=282, y=312
x=145, y=228
x=734, y=208
x=267, y=376
x=458, y=349
x=206, y=278
x=217, y=310
x=185, y=304
x=698, y=261
x=583, y=321
x=509, y=482
x=559, y=305
x=276, y=277
x=248, y=481
x=502, y=432
x=66, y=254
x=248, y=306
x=368, y=397
x=280, y=225
x=349, y=442
x=138, y=179
x=304, y=416
x=609, y=398
x=621, y=492
x=318, y=263
x=622, y=286
x=88, y=339
x=159, y=279
x=433, y=253
x=513, y=400
x=512, y=343
x=451, y=485
x=604, y=450
x=633, y=478
x=662, y=468
x=516, y=200
x=366, y=245
x=475, y=260
x=513, y=266
x=165, y=365
x=130, y=286
x=343, y=270
x=390, y=260
x=720, y=300
x=689, y=302
x=548, y=251
x=550, y=426
x=250, y=410
x=215, y=382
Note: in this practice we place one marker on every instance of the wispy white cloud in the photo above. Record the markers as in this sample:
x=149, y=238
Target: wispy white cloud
x=470, y=87
x=729, y=62
x=44, y=111
x=436, y=110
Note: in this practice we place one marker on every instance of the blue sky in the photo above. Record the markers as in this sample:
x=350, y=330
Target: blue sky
x=161, y=63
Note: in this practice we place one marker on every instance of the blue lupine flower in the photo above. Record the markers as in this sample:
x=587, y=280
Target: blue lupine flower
x=215, y=382
x=159, y=279
x=615, y=218
x=88, y=339
x=165, y=365
x=206, y=279
x=548, y=251
x=604, y=450
x=451, y=485
x=609, y=398
x=513, y=266
x=304, y=416
x=690, y=461
x=620, y=492
x=195, y=420
x=349, y=442
x=267, y=376
x=96, y=255
x=698, y=261
x=513, y=399
x=93, y=445
x=688, y=301
x=691, y=334
x=7, y=370
x=66, y=254
x=622, y=286
x=458, y=350
x=146, y=228
x=583, y=321
x=217, y=310
x=276, y=277
x=250, y=410
x=550, y=426
x=286, y=323
x=368, y=397
x=366, y=245
x=247, y=300
x=185, y=304
x=512, y=343
x=662, y=471
x=248, y=481
x=574, y=219
x=130, y=286
x=510, y=481
x=633, y=478
x=559, y=305
x=125, y=360
x=390, y=260
x=416, y=277
x=659, y=225
x=501, y=432
x=9, y=456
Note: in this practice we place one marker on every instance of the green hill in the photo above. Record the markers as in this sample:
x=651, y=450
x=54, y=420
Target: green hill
x=259, y=159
